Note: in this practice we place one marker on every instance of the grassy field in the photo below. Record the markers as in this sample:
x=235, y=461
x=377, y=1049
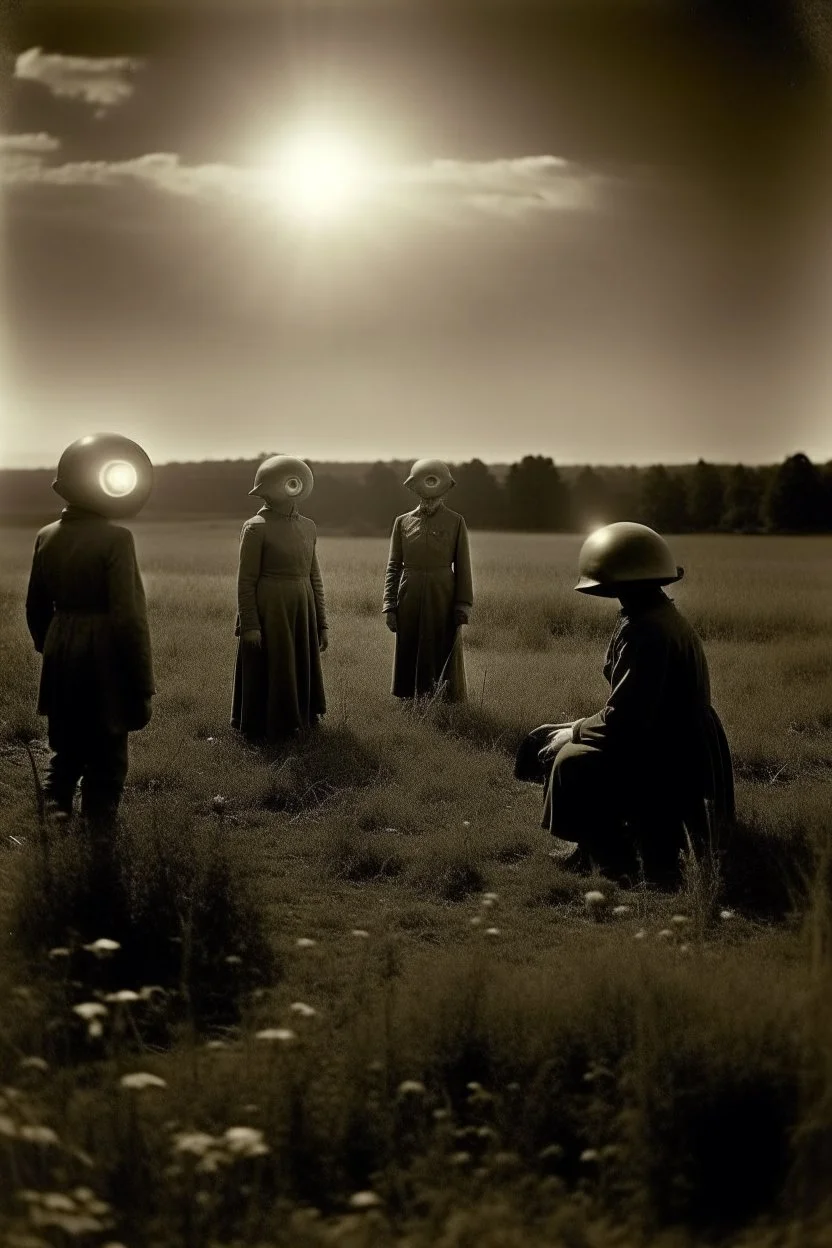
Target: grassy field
x=482, y=1055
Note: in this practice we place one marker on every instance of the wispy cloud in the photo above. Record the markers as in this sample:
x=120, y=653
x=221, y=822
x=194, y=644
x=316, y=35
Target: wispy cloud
x=103, y=82
x=511, y=187
x=32, y=144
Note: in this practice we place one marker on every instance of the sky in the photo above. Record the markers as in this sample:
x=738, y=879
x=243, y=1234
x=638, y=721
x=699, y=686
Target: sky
x=592, y=229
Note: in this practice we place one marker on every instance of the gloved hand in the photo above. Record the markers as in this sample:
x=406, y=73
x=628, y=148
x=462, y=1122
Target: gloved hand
x=556, y=742
x=392, y=621
x=460, y=616
x=253, y=637
x=323, y=639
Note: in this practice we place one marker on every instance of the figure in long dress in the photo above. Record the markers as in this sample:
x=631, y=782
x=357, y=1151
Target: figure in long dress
x=86, y=612
x=281, y=610
x=428, y=591
x=653, y=766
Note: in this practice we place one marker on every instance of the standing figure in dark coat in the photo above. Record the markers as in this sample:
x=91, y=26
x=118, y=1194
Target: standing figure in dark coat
x=428, y=592
x=86, y=612
x=281, y=611
x=628, y=782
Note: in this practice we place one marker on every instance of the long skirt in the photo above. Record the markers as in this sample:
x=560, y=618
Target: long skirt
x=429, y=653
x=279, y=687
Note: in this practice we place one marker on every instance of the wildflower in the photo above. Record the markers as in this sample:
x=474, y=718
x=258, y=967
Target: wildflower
x=233, y=960
x=96, y=1029
x=360, y=933
x=490, y=898
x=726, y=915
x=57, y=1202
x=195, y=1142
x=305, y=942
x=218, y=803
x=38, y=1135
x=391, y=829
x=34, y=1063
x=461, y=1158
x=149, y=992
x=411, y=1087
x=466, y=823
x=245, y=1142
x=60, y=951
x=492, y=931
x=211, y=740
x=685, y=948
x=140, y=1080
x=488, y=903
x=595, y=901
x=441, y=1115
x=365, y=1200
x=640, y=934
x=7, y=1127
x=679, y=920
x=589, y=1154
x=476, y=921
x=103, y=947
x=88, y=1010
x=621, y=910
x=281, y=1035
x=123, y=997
x=665, y=934
x=303, y=1010
x=216, y=1044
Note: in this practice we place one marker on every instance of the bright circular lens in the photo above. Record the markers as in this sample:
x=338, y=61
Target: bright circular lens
x=118, y=478
x=294, y=485
x=431, y=482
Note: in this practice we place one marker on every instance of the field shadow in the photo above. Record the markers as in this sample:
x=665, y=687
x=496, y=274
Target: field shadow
x=315, y=768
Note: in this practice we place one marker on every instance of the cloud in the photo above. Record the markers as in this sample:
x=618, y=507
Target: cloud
x=509, y=188
x=101, y=81
x=34, y=144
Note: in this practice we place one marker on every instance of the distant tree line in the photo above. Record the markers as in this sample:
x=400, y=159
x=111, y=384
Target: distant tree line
x=532, y=495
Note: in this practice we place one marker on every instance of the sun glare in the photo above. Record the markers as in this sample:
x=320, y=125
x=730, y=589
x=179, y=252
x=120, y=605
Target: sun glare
x=319, y=176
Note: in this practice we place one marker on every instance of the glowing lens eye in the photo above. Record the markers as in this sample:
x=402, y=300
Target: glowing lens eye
x=294, y=485
x=118, y=478
x=431, y=482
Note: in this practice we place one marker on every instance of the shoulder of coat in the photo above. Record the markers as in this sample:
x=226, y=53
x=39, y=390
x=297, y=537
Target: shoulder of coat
x=254, y=522
x=46, y=532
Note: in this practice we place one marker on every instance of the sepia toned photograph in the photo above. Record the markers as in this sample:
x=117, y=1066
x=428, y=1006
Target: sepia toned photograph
x=416, y=631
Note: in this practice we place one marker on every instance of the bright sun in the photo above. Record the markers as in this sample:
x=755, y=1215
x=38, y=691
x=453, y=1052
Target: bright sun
x=319, y=176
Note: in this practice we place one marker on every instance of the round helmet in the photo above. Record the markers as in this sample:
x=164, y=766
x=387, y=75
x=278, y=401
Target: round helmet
x=283, y=476
x=624, y=554
x=430, y=478
x=105, y=473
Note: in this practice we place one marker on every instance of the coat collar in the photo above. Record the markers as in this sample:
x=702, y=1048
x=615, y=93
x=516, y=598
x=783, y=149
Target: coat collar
x=266, y=510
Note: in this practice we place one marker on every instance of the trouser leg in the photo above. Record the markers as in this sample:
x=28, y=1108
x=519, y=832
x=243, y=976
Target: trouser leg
x=63, y=772
x=105, y=771
x=582, y=804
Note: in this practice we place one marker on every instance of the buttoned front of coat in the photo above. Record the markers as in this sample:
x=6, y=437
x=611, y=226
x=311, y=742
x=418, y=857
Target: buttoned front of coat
x=428, y=581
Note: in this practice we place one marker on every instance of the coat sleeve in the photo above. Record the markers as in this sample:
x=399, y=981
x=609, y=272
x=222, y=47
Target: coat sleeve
x=395, y=563
x=318, y=589
x=39, y=604
x=248, y=574
x=128, y=614
x=638, y=676
x=464, y=592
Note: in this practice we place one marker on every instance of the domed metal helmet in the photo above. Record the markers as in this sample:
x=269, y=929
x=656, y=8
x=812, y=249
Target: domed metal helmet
x=105, y=473
x=283, y=476
x=430, y=478
x=624, y=554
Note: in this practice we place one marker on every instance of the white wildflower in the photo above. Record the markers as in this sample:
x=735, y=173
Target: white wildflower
x=595, y=899
x=195, y=1142
x=60, y=951
x=8, y=1127
x=305, y=942
x=233, y=959
x=245, y=1142
x=141, y=1079
x=95, y=1030
x=89, y=1010
x=492, y=931
x=622, y=910
x=589, y=1154
x=123, y=997
x=219, y=803
x=726, y=915
x=279, y=1035
x=640, y=934
x=360, y=933
x=476, y=921
x=412, y=1087
x=103, y=947
x=302, y=1010
x=665, y=934
x=685, y=948
x=466, y=823
x=679, y=920
x=365, y=1200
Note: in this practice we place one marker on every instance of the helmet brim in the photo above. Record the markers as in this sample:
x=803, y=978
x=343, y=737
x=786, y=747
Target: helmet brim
x=612, y=589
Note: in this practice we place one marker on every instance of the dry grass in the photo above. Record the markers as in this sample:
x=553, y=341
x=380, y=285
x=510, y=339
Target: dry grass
x=705, y=1049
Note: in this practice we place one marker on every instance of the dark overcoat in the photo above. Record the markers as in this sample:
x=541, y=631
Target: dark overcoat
x=87, y=615
x=657, y=749
x=428, y=580
x=278, y=687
